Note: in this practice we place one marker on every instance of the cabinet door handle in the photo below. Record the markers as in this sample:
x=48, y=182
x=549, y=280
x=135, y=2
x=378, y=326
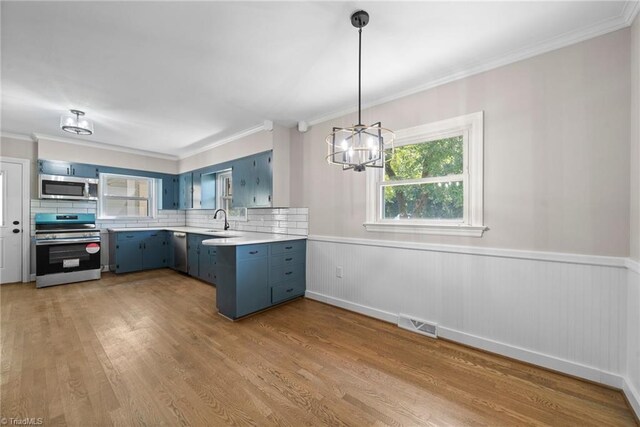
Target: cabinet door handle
x=257, y=181
x=16, y=230
x=290, y=290
x=288, y=259
x=288, y=273
x=288, y=247
x=68, y=173
x=253, y=252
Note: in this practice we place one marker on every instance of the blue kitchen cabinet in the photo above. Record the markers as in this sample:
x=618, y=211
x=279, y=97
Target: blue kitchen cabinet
x=84, y=170
x=207, y=261
x=170, y=192
x=242, y=182
x=263, y=186
x=155, y=250
x=201, y=259
x=254, y=277
x=194, y=242
x=208, y=190
x=125, y=251
x=185, y=190
x=56, y=167
x=252, y=181
x=138, y=250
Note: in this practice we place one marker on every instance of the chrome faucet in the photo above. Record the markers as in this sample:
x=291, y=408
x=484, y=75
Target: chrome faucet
x=226, y=223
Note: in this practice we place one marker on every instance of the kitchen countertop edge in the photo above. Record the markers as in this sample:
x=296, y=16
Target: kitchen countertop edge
x=245, y=238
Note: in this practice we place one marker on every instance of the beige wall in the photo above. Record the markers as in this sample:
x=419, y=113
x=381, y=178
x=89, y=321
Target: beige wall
x=250, y=144
x=634, y=247
x=556, y=153
x=22, y=148
x=57, y=150
x=281, y=166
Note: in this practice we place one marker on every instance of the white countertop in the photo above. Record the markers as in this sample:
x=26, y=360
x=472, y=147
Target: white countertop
x=221, y=237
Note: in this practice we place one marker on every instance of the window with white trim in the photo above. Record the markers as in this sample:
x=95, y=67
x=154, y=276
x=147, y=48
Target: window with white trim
x=126, y=196
x=224, y=191
x=431, y=182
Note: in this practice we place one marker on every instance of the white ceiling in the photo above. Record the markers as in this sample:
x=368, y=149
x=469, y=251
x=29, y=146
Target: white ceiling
x=173, y=77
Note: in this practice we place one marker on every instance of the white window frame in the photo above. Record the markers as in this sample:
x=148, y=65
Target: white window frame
x=233, y=214
x=152, y=199
x=470, y=126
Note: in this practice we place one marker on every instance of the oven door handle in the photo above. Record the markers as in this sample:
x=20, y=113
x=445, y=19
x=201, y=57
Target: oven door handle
x=63, y=241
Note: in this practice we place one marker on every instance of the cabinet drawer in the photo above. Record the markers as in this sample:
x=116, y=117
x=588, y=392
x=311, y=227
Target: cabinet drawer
x=290, y=246
x=288, y=258
x=252, y=251
x=281, y=273
x=287, y=291
x=128, y=237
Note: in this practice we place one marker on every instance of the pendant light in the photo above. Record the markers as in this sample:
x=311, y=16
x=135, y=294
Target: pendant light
x=360, y=146
x=74, y=124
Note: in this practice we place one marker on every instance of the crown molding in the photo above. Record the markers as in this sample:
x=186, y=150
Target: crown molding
x=19, y=136
x=625, y=19
x=234, y=137
x=104, y=146
x=630, y=11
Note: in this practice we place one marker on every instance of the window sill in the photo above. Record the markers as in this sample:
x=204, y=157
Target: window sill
x=417, y=228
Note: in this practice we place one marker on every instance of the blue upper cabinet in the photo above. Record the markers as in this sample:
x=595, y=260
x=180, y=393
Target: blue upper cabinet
x=208, y=190
x=55, y=167
x=185, y=192
x=263, y=187
x=169, y=192
x=241, y=182
x=252, y=181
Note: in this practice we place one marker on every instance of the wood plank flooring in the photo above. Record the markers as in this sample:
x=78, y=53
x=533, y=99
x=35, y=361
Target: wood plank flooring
x=149, y=349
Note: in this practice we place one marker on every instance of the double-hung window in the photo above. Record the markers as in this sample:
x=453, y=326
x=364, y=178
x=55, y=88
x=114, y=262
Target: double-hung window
x=431, y=182
x=126, y=196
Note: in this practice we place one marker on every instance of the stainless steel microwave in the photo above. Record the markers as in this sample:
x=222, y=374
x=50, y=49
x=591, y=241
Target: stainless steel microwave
x=68, y=187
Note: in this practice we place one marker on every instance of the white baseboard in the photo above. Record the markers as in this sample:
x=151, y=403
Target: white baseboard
x=533, y=357
x=632, y=396
x=539, y=359
x=358, y=308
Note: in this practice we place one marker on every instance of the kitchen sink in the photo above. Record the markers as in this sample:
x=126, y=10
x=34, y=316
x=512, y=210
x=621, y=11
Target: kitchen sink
x=223, y=233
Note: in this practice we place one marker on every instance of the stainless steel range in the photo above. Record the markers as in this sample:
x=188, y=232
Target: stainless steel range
x=67, y=248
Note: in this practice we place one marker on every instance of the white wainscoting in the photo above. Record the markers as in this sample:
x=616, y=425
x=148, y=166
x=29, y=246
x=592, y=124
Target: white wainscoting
x=632, y=381
x=567, y=313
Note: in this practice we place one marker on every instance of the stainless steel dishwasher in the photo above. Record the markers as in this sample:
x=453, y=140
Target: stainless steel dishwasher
x=179, y=245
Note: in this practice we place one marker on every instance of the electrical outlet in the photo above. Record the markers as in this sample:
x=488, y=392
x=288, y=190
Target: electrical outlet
x=339, y=271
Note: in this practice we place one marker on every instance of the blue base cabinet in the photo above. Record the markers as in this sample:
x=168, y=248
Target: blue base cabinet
x=138, y=250
x=201, y=259
x=254, y=277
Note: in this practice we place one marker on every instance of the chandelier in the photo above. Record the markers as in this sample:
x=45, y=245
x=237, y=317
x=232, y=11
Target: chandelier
x=359, y=146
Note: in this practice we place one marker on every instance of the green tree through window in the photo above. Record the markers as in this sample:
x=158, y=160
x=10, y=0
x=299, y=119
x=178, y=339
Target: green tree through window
x=425, y=180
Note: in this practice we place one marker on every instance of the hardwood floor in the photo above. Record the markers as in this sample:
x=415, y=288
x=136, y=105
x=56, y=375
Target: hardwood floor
x=149, y=349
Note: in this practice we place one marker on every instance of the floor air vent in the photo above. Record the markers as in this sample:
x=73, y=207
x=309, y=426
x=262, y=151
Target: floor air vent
x=423, y=327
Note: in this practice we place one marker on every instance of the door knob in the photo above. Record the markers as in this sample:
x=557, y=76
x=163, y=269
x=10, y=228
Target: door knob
x=16, y=222
x=16, y=230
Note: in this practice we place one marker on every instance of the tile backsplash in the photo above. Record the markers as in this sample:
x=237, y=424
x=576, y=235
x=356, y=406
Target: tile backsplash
x=269, y=220
x=165, y=218
x=276, y=220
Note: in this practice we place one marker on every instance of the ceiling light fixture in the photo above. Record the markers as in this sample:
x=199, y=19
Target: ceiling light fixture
x=359, y=146
x=75, y=124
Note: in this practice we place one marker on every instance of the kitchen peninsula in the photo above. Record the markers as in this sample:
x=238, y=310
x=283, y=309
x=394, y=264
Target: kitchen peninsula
x=251, y=271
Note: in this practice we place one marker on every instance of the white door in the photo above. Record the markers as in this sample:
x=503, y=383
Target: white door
x=11, y=228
